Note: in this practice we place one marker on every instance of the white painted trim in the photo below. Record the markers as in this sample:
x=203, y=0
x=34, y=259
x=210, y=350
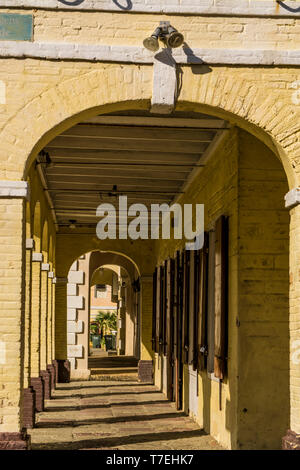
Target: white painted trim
x=38, y=257
x=140, y=55
x=14, y=189
x=101, y=307
x=29, y=244
x=191, y=7
x=51, y=275
x=45, y=267
x=292, y=198
x=164, y=83
x=60, y=280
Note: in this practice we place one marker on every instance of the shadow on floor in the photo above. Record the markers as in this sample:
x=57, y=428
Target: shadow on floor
x=87, y=386
x=108, y=442
x=120, y=419
x=106, y=405
x=100, y=395
x=112, y=362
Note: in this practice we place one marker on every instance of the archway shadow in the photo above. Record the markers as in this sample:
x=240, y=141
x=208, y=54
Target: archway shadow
x=55, y=409
x=118, y=419
x=108, y=442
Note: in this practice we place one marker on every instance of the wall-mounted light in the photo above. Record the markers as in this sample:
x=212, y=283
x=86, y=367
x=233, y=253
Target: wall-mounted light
x=72, y=224
x=45, y=158
x=167, y=34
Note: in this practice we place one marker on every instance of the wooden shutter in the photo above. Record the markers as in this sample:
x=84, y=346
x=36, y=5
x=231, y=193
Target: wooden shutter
x=186, y=305
x=179, y=315
x=165, y=300
x=196, y=255
x=221, y=256
x=169, y=325
x=158, y=294
x=154, y=305
x=202, y=305
x=161, y=310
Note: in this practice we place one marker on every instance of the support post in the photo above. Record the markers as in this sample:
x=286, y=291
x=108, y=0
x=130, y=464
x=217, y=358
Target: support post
x=12, y=313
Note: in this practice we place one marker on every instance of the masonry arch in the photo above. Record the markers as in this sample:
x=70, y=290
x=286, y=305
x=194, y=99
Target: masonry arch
x=81, y=300
x=251, y=123
x=272, y=117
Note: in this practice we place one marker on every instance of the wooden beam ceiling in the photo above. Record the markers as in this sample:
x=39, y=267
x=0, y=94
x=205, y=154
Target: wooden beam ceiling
x=149, y=159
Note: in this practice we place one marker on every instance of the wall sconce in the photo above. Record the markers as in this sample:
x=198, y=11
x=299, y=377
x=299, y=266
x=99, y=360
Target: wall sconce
x=167, y=34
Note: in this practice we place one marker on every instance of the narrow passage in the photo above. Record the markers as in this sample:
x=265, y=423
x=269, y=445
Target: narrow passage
x=124, y=415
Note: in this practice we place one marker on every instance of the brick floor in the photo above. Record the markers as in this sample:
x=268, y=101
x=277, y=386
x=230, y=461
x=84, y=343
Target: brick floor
x=115, y=415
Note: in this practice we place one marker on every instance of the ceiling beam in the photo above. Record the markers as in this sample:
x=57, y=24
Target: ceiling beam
x=139, y=133
x=125, y=144
x=145, y=156
x=202, y=123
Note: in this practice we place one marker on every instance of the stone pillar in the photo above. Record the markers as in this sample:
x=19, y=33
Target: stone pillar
x=145, y=367
x=292, y=438
x=28, y=392
x=45, y=268
x=122, y=322
x=62, y=365
x=36, y=379
x=50, y=355
x=12, y=313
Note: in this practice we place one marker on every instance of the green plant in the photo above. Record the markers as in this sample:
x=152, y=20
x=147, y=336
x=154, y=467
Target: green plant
x=94, y=329
x=107, y=321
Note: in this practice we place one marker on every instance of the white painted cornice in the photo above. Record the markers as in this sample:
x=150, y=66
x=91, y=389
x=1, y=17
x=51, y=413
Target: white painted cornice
x=292, y=198
x=140, y=55
x=29, y=244
x=60, y=280
x=190, y=7
x=14, y=189
x=37, y=257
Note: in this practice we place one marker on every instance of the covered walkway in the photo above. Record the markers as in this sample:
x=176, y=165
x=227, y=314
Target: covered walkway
x=104, y=364
x=112, y=415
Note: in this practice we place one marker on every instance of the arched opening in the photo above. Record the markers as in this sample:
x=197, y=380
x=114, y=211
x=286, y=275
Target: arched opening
x=189, y=157
x=102, y=313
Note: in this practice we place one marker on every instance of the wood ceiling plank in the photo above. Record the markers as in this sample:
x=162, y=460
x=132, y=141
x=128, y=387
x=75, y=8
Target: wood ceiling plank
x=139, y=133
x=122, y=183
x=72, y=173
x=203, y=122
x=146, y=156
x=123, y=144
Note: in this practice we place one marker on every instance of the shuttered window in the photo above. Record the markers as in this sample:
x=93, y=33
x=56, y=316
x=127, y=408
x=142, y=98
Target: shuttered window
x=186, y=305
x=221, y=279
x=154, y=305
x=201, y=323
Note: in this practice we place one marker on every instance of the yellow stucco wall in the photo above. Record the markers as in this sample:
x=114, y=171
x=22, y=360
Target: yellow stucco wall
x=43, y=98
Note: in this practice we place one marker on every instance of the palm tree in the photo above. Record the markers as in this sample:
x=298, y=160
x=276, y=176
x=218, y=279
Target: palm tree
x=106, y=321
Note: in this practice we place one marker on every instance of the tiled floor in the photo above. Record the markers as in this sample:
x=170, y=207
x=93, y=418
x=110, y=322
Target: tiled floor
x=115, y=415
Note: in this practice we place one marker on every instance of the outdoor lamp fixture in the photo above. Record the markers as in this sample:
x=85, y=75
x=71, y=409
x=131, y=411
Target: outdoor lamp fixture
x=72, y=224
x=45, y=158
x=167, y=34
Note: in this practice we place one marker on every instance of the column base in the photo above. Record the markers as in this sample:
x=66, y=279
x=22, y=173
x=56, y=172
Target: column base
x=14, y=441
x=29, y=408
x=51, y=369
x=145, y=371
x=62, y=369
x=80, y=374
x=291, y=441
x=45, y=374
x=37, y=384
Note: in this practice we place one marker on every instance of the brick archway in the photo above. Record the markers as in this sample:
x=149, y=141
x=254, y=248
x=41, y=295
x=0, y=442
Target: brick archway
x=239, y=97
